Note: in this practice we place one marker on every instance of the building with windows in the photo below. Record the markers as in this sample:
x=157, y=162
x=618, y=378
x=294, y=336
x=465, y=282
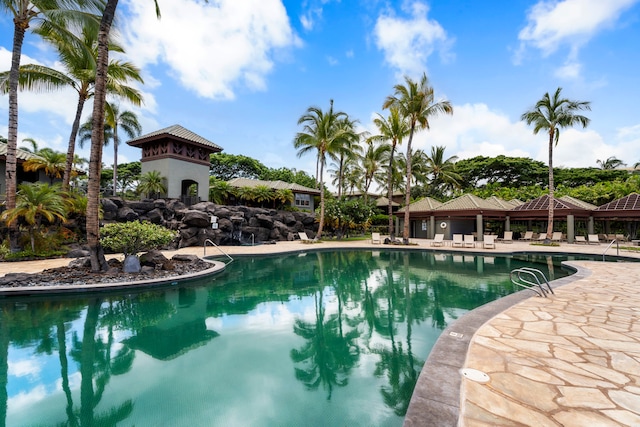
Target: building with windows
x=302, y=196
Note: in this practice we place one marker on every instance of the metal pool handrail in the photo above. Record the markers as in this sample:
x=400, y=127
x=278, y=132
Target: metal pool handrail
x=611, y=244
x=204, y=247
x=532, y=278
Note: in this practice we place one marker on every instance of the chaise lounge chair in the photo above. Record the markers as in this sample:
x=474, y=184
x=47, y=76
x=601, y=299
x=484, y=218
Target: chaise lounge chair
x=489, y=242
x=527, y=236
x=375, y=238
x=542, y=237
x=508, y=237
x=557, y=236
x=437, y=240
x=457, y=241
x=594, y=239
x=580, y=239
x=469, y=241
x=303, y=237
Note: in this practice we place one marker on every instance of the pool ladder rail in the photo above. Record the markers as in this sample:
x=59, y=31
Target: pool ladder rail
x=531, y=279
x=204, y=247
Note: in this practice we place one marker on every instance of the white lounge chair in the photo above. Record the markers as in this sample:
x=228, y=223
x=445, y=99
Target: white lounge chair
x=556, y=236
x=375, y=238
x=528, y=235
x=303, y=237
x=457, y=240
x=580, y=240
x=438, y=240
x=469, y=241
x=542, y=237
x=508, y=237
x=489, y=242
x=593, y=239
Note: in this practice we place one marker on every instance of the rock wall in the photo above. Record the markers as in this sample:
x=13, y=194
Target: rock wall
x=236, y=224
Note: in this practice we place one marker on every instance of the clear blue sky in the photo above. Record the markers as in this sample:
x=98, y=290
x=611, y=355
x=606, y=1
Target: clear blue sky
x=241, y=73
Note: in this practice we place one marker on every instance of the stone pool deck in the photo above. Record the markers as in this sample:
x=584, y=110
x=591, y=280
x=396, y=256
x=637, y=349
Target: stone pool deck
x=572, y=359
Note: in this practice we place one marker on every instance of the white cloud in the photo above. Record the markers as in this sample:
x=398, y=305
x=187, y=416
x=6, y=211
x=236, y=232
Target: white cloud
x=210, y=48
x=22, y=368
x=408, y=43
x=573, y=23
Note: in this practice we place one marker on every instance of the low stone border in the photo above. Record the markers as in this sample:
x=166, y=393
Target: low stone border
x=216, y=267
x=436, y=396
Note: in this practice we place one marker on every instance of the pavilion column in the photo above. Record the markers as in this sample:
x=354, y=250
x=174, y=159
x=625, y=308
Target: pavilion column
x=571, y=228
x=507, y=223
x=432, y=227
x=590, y=226
x=479, y=228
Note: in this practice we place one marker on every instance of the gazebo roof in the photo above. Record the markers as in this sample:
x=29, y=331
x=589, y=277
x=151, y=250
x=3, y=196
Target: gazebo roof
x=422, y=205
x=578, y=202
x=383, y=201
x=275, y=185
x=468, y=202
x=542, y=204
x=627, y=203
x=176, y=132
x=504, y=204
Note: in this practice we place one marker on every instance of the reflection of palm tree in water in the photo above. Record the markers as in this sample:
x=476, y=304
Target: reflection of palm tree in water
x=95, y=360
x=329, y=354
x=4, y=361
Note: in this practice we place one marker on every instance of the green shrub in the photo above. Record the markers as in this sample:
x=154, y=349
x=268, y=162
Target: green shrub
x=130, y=238
x=28, y=254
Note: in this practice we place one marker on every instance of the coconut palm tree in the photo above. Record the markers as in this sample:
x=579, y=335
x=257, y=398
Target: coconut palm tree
x=348, y=149
x=324, y=134
x=128, y=121
x=98, y=261
x=35, y=202
x=444, y=177
x=151, y=183
x=550, y=114
x=372, y=162
x=611, y=163
x=393, y=129
x=32, y=14
x=416, y=103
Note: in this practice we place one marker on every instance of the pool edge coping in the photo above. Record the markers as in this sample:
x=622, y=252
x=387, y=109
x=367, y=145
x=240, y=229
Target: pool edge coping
x=436, y=397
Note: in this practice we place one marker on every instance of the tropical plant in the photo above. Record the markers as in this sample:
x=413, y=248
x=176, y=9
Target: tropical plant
x=128, y=122
x=444, y=178
x=348, y=149
x=219, y=190
x=151, y=184
x=416, y=103
x=393, y=129
x=32, y=14
x=374, y=156
x=550, y=114
x=611, y=163
x=284, y=196
x=51, y=162
x=323, y=133
x=262, y=193
x=35, y=202
x=133, y=237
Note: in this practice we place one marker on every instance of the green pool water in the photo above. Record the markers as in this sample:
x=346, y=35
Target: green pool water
x=311, y=339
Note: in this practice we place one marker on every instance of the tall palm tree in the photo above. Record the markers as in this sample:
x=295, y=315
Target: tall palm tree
x=98, y=261
x=443, y=171
x=128, y=122
x=416, y=103
x=348, y=149
x=394, y=129
x=322, y=133
x=550, y=114
x=372, y=161
x=35, y=202
x=611, y=163
x=34, y=14
x=79, y=74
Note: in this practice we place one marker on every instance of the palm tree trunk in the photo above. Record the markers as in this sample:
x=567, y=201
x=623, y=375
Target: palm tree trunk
x=407, y=196
x=390, y=192
x=98, y=261
x=321, y=222
x=11, y=179
x=4, y=363
x=71, y=148
x=115, y=159
x=551, y=189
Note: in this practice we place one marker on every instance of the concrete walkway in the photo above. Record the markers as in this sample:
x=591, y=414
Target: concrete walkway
x=569, y=360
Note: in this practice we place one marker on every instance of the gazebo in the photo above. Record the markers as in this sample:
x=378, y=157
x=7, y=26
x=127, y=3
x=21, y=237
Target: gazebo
x=181, y=157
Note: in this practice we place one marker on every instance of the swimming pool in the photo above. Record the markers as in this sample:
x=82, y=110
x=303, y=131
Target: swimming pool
x=312, y=338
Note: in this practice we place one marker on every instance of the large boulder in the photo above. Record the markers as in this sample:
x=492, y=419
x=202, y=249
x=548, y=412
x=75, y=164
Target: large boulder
x=126, y=214
x=141, y=207
x=155, y=216
x=109, y=209
x=194, y=218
